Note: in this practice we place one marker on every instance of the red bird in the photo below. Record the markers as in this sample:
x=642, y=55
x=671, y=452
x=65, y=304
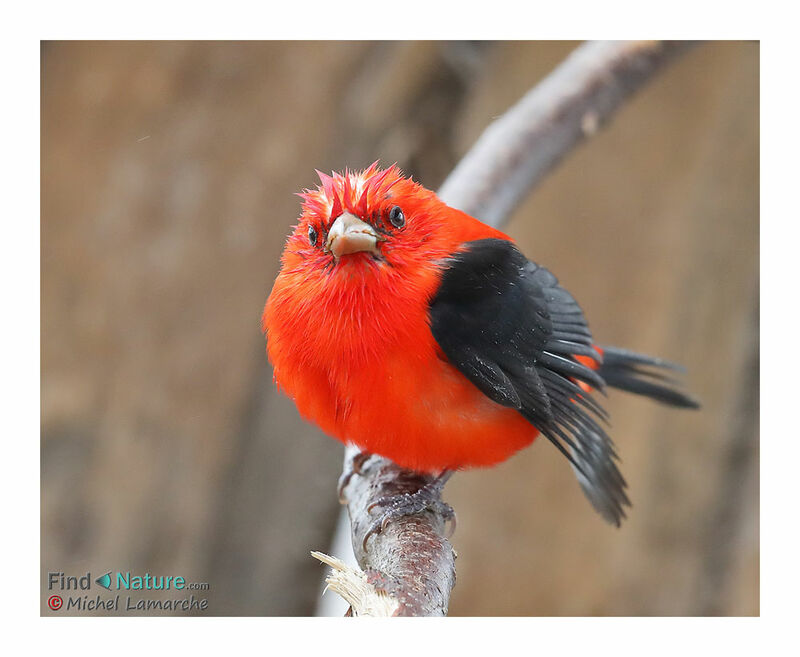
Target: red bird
x=418, y=333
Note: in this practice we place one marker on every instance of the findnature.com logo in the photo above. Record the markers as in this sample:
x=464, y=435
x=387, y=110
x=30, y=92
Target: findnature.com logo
x=73, y=598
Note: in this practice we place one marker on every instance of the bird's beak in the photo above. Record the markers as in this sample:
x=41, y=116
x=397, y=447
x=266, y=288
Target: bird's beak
x=349, y=234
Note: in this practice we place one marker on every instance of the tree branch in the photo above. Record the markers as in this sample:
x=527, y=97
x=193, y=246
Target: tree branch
x=411, y=560
x=515, y=152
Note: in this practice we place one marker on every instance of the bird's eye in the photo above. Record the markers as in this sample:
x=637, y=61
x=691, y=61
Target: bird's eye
x=312, y=235
x=396, y=217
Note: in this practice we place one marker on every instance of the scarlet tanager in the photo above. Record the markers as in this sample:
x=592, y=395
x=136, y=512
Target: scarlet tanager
x=418, y=333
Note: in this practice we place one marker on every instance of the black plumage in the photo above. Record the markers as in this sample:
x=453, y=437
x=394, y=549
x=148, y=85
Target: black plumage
x=514, y=332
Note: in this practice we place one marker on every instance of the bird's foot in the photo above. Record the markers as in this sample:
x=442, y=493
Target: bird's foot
x=426, y=498
x=355, y=469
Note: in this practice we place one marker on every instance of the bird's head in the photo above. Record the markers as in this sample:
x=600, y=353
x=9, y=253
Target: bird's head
x=367, y=220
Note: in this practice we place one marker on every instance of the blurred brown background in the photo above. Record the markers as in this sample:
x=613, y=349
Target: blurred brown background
x=168, y=173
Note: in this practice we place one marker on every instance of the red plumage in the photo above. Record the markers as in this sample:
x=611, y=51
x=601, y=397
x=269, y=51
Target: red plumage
x=375, y=266
x=351, y=343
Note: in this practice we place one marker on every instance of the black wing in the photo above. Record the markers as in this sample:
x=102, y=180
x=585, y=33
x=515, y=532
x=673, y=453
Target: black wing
x=509, y=327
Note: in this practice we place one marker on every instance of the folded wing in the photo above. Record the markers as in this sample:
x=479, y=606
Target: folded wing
x=508, y=326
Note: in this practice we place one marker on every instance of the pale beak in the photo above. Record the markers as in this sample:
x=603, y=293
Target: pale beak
x=349, y=234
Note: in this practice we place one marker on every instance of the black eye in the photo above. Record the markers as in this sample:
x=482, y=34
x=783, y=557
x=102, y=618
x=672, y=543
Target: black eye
x=312, y=235
x=396, y=217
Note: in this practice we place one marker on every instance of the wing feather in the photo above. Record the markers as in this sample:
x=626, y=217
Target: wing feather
x=509, y=327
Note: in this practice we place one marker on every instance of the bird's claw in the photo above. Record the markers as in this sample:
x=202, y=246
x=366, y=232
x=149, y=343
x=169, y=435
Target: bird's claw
x=409, y=504
x=355, y=468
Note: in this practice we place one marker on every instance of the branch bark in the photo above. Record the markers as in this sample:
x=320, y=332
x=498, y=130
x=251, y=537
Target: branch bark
x=411, y=560
x=579, y=97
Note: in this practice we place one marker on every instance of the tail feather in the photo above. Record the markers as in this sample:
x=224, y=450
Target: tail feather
x=622, y=369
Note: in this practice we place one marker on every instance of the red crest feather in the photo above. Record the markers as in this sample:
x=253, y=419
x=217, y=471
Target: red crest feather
x=355, y=191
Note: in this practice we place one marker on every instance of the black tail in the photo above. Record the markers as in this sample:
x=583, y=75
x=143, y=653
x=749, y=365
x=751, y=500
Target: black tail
x=629, y=371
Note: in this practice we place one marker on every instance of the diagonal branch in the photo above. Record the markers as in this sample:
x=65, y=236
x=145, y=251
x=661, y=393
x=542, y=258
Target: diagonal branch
x=515, y=152
x=411, y=560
